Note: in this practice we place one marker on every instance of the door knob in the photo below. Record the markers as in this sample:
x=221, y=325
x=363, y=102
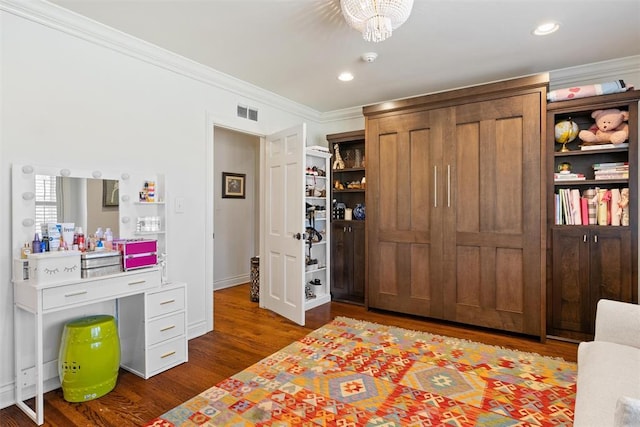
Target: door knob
x=297, y=236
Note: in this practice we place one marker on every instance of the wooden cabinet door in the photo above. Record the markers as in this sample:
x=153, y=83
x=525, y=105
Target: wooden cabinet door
x=610, y=267
x=341, y=261
x=570, y=300
x=359, y=261
x=347, y=261
x=405, y=207
x=493, y=240
x=588, y=264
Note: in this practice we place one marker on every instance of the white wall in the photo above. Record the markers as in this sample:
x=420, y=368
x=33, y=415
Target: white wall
x=236, y=220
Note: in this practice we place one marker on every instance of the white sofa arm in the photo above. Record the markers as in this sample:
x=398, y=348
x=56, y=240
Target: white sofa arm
x=618, y=322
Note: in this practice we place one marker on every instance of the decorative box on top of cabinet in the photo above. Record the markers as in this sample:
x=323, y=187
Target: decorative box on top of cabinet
x=589, y=262
x=348, y=263
x=317, y=234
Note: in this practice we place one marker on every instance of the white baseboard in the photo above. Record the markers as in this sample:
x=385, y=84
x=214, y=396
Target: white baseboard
x=197, y=329
x=231, y=281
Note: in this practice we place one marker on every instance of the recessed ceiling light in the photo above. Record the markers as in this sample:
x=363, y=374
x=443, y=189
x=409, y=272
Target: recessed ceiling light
x=546, y=28
x=345, y=77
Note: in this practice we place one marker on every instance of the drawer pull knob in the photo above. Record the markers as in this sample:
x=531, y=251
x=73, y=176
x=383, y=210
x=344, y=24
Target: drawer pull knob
x=167, y=328
x=139, y=282
x=171, y=353
x=75, y=294
x=167, y=302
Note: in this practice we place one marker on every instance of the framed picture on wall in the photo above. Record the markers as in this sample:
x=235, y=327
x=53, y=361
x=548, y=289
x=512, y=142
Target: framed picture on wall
x=233, y=185
x=110, y=193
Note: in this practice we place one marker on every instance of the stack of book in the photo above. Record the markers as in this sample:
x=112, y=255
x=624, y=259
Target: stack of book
x=612, y=170
x=568, y=176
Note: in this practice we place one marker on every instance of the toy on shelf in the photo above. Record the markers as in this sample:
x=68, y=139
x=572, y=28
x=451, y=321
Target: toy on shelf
x=610, y=127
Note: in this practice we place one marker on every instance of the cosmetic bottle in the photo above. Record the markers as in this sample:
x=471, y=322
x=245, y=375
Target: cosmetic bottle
x=108, y=239
x=81, y=243
x=26, y=250
x=35, y=245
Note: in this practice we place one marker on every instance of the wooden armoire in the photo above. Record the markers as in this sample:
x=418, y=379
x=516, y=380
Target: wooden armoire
x=456, y=205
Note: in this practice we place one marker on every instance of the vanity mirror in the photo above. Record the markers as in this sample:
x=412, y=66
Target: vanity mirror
x=44, y=194
x=88, y=199
x=85, y=202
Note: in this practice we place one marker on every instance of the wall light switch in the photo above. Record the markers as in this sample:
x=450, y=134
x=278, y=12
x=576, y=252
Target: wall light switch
x=179, y=204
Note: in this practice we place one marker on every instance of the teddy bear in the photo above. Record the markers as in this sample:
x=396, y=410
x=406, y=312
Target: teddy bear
x=610, y=127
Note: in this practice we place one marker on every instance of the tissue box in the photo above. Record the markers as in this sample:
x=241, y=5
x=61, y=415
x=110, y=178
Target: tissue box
x=54, y=267
x=138, y=253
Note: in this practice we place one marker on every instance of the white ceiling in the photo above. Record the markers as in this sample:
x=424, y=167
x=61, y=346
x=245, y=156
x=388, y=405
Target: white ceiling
x=296, y=48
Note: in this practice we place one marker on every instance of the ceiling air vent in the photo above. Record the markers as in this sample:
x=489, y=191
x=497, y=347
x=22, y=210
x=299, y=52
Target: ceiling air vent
x=253, y=114
x=242, y=111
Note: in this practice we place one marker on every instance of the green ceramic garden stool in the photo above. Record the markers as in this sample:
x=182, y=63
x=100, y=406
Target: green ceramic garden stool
x=89, y=358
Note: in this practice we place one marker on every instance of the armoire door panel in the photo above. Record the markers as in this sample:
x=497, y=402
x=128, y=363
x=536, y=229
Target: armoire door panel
x=387, y=207
x=467, y=178
x=506, y=189
x=468, y=277
x=509, y=280
x=420, y=180
x=404, y=247
x=491, y=193
x=388, y=286
x=420, y=271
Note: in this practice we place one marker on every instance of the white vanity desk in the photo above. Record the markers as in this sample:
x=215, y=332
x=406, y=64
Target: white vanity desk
x=151, y=322
x=151, y=314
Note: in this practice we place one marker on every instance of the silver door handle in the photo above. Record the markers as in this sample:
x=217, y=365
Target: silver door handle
x=448, y=186
x=435, y=186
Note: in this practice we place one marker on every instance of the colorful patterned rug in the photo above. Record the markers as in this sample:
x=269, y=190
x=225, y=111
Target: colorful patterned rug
x=356, y=373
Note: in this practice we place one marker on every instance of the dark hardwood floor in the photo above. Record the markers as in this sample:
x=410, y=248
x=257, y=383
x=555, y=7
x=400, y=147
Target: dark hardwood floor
x=243, y=334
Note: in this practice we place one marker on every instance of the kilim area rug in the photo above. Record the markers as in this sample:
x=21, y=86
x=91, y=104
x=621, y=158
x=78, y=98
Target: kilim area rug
x=356, y=373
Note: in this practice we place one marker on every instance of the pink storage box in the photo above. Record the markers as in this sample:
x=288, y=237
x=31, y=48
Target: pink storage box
x=138, y=253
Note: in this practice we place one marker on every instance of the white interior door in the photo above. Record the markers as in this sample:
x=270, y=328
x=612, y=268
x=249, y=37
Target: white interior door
x=282, y=260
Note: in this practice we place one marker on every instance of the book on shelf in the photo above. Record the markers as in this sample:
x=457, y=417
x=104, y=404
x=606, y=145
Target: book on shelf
x=621, y=169
x=612, y=176
x=610, y=165
x=568, y=177
x=575, y=208
x=603, y=146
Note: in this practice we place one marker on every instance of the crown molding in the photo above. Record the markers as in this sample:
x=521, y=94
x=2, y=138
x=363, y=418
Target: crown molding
x=597, y=71
x=66, y=21
x=343, y=114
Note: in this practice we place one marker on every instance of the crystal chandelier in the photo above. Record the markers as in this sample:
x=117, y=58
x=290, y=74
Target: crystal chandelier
x=376, y=19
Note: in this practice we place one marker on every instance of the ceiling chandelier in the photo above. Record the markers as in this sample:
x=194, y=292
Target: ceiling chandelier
x=376, y=19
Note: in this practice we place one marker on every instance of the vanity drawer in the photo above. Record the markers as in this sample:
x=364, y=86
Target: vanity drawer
x=165, y=328
x=167, y=355
x=98, y=289
x=164, y=302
